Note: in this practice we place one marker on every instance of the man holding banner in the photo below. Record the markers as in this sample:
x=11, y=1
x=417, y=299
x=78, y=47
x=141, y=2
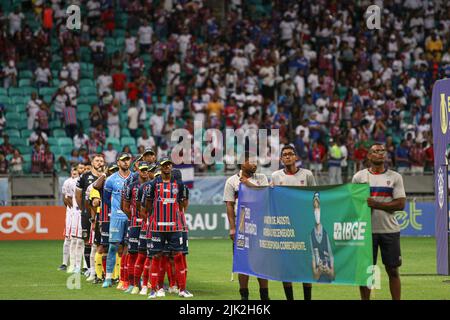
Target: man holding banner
x=293, y=176
x=249, y=177
x=387, y=195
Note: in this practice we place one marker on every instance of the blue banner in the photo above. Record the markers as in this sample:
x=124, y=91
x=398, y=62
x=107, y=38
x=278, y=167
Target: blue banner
x=418, y=219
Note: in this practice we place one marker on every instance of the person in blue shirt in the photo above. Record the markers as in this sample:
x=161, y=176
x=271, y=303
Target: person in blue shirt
x=112, y=197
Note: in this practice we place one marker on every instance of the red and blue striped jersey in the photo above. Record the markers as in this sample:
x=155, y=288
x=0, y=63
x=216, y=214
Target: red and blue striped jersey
x=131, y=195
x=166, y=214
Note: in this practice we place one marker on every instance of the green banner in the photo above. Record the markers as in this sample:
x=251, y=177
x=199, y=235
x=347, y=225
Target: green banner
x=207, y=221
x=313, y=234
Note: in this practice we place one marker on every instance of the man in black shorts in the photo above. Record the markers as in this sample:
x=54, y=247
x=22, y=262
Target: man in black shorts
x=85, y=180
x=387, y=195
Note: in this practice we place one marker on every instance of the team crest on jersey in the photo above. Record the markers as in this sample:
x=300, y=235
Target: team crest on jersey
x=388, y=182
x=302, y=182
x=175, y=191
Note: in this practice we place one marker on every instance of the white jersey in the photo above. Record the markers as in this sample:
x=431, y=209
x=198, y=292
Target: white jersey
x=231, y=190
x=302, y=178
x=384, y=187
x=68, y=190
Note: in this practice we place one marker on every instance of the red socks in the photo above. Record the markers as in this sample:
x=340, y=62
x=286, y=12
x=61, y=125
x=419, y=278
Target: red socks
x=130, y=267
x=162, y=270
x=171, y=273
x=146, y=273
x=138, y=267
x=180, y=272
x=104, y=262
x=123, y=268
x=154, y=276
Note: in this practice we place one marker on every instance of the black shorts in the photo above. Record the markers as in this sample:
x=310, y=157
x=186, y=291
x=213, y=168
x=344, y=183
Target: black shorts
x=104, y=231
x=165, y=242
x=97, y=234
x=85, y=226
x=185, y=243
x=133, y=239
x=389, y=244
x=142, y=244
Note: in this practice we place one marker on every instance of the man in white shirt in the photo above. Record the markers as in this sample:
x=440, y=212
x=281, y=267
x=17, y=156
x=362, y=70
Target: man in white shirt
x=43, y=76
x=133, y=120
x=249, y=177
x=113, y=120
x=80, y=139
x=104, y=83
x=267, y=75
x=146, y=141
x=157, y=124
x=240, y=62
x=293, y=176
x=178, y=107
x=145, y=34
x=15, y=21
x=110, y=154
x=33, y=107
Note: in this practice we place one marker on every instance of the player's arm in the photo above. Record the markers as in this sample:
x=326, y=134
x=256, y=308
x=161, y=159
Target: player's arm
x=228, y=198
x=391, y=206
x=149, y=198
x=140, y=208
x=78, y=192
x=107, y=194
x=99, y=183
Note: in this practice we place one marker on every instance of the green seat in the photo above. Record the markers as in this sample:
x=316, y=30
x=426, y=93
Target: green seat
x=20, y=108
x=52, y=141
x=13, y=117
x=24, y=149
x=27, y=91
x=24, y=82
x=25, y=133
x=54, y=124
x=87, y=83
x=82, y=116
x=58, y=133
x=86, y=123
x=16, y=141
x=47, y=91
x=15, y=91
x=84, y=108
x=55, y=149
x=19, y=100
x=26, y=157
x=127, y=141
x=125, y=132
x=88, y=91
x=13, y=133
x=65, y=141
x=4, y=100
x=66, y=149
x=25, y=74
x=112, y=140
x=92, y=99
x=13, y=125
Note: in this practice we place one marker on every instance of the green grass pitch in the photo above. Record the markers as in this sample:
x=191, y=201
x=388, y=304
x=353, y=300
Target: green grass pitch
x=28, y=271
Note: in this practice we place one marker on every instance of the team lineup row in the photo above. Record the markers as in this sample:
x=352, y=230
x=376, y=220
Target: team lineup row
x=130, y=225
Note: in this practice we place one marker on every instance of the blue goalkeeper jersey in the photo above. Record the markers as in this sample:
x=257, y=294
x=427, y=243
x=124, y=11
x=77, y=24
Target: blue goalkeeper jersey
x=112, y=194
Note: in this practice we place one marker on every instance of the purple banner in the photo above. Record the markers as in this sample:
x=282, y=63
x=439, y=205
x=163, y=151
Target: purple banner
x=441, y=139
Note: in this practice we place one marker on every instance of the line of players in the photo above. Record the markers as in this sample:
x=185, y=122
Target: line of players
x=130, y=225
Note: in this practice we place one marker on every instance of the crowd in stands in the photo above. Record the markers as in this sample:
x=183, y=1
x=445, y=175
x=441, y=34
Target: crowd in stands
x=139, y=69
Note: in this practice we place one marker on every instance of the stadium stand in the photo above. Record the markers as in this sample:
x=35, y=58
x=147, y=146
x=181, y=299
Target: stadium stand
x=308, y=68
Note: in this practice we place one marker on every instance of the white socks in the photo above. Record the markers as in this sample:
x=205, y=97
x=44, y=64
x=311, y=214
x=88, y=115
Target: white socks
x=79, y=253
x=66, y=251
x=72, y=250
x=92, y=258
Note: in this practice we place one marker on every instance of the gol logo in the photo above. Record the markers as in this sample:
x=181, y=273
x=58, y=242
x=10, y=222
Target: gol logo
x=22, y=222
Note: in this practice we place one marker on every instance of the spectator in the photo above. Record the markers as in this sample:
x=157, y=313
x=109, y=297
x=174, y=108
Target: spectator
x=7, y=148
x=49, y=160
x=417, y=156
x=104, y=83
x=35, y=135
x=145, y=34
x=167, y=130
x=75, y=158
x=10, y=75
x=37, y=159
x=70, y=119
x=42, y=118
x=119, y=80
x=59, y=101
x=113, y=120
x=16, y=163
x=335, y=158
x=316, y=158
x=3, y=164
x=2, y=122
x=33, y=108
x=15, y=21
x=43, y=76
x=402, y=156
x=145, y=141
x=157, y=124
x=133, y=120
x=80, y=139
x=95, y=116
x=110, y=154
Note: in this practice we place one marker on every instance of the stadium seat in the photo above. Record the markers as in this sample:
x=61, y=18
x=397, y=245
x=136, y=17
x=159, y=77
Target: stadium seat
x=24, y=82
x=25, y=133
x=27, y=91
x=19, y=100
x=66, y=149
x=65, y=141
x=87, y=83
x=127, y=140
x=12, y=117
x=52, y=141
x=15, y=91
x=47, y=91
x=13, y=133
x=24, y=149
x=133, y=149
x=4, y=100
x=92, y=99
x=26, y=74
x=26, y=157
x=88, y=91
x=84, y=108
x=55, y=149
x=81, y=116
x=16, y=141
x=58, y=133
x=86, y=124
x=125, y=132
x=54, y=124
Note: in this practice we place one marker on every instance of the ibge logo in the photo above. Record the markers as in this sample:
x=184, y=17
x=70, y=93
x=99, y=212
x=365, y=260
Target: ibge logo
x=22, y=222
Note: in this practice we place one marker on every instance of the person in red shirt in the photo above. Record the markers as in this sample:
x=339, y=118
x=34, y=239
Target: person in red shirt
x=107, y=18
x=133, y=91
x=47, y=18
x=119, y=84
x=230, y=114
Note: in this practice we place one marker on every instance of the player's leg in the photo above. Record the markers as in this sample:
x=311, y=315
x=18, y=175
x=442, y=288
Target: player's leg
x=288, y=291
x=66, y=254
x=365, y=291
x=156, y=250
x=243, y=286
x=163, y=269
x=87, y=232
x=116, y=235
x=133, y=243
x=307, y=291
x=391, y=257
x=263, y=289
x=99, y=264
x=140, y=260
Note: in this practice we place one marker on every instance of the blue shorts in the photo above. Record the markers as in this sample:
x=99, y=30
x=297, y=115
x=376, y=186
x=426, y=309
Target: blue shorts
x=133, y=239
x=117, y=230
x=104, y=231
x=165, y=242
x=142, y=244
